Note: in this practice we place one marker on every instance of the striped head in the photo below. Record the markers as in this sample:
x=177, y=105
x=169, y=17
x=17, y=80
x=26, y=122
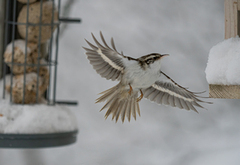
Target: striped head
x=150, y=59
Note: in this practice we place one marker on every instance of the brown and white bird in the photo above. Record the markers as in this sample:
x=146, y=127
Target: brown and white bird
x=137, y=78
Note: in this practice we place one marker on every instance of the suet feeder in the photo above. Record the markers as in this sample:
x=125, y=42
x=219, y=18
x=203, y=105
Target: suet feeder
x=29, y=37
x=232, y=29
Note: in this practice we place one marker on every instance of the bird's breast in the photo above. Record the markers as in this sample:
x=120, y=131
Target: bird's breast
x=139, y=78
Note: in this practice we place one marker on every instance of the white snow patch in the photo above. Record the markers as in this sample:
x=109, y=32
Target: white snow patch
x=223, y=63
x=33, y=119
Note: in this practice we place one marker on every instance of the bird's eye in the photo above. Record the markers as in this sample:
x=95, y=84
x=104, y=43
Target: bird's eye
x=149, y=61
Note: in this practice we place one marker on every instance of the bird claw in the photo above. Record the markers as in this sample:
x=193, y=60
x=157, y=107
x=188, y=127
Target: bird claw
x=130, y=90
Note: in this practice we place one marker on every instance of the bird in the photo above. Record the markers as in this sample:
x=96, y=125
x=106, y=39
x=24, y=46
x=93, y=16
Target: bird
x=138, y=78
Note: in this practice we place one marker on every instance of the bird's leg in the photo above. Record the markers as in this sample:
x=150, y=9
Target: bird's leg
x=130, y=90
x=140, y=97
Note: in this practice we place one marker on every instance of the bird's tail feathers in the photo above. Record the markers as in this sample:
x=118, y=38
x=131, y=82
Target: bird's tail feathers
x=120, y=102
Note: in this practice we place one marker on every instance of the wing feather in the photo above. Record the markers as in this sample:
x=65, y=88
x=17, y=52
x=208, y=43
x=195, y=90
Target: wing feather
x=178, y=103
x=91, y=45
x=105, y=60
x=98, y=44
x=113, y=45
x=115, y=75
x=184, y=104
x=158, y=99
x=168, y=92
x=119, y=110
x=104, y=42
x=171, y=100
x=165, y=99
x=133, y=107
x=153, y=95
x=128, y=110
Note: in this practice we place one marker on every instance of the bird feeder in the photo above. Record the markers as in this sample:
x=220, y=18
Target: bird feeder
x=232, y=30
x=29, y=38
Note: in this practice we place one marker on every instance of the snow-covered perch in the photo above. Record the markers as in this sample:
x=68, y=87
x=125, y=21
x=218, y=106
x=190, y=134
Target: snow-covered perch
x=223, y=68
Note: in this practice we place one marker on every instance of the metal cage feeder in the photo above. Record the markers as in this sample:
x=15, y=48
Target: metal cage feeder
x=29, y=64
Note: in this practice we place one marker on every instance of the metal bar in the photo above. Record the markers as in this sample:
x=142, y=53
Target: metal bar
x=39, y=48
x=25, y=60
x=56, y=56
x=4, y=79
x=50, y=54
x=70, y=20
x=2, y=17
x=5, y=45
x=67, y=102
x=13, y=37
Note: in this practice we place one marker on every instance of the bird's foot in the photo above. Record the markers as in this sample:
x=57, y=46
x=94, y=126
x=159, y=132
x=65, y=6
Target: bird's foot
x=140, y=97
x=130, y=90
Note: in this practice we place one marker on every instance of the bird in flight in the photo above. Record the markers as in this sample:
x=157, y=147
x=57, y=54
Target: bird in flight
x=138, y=78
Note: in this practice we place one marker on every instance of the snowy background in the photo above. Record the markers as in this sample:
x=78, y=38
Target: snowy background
x=185, y=29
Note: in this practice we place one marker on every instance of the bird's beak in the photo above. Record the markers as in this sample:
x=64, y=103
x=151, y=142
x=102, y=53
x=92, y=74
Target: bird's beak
x=163, y=55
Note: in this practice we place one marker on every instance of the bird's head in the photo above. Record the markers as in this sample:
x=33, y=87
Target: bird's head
x=151, y=59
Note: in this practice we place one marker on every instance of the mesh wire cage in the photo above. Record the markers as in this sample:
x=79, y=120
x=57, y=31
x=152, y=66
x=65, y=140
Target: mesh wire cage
x=29, y=63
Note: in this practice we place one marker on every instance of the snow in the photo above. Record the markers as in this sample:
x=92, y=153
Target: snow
x=185, y=29
x=223, y=63
x=35, y=118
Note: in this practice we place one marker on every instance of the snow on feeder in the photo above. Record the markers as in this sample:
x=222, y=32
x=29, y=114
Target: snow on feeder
x=223, y=69
x=30, y=115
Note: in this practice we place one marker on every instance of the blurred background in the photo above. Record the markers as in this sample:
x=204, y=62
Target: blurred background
x=186, y=29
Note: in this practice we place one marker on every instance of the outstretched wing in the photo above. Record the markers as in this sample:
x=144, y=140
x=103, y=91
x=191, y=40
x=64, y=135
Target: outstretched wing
x=105, y=60
x=168, y=92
